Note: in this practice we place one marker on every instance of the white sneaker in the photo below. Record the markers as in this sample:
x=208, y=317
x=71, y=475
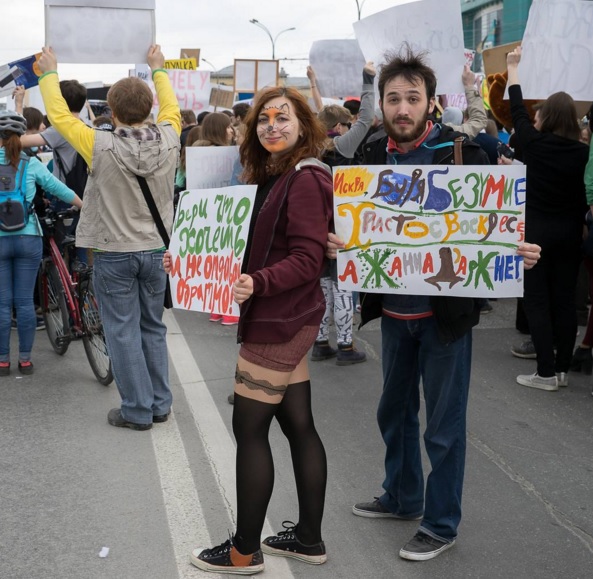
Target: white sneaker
x=562, y=379
x=535, y=381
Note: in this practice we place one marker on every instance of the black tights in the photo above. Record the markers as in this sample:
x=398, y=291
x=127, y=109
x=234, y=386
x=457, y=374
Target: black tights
x=255, y=466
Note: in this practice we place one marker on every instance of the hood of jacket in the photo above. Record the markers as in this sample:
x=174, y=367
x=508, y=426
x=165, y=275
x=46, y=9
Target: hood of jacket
x=140, y=149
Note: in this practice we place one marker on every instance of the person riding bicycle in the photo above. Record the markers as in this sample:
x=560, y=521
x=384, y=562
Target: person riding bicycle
x=20, y=243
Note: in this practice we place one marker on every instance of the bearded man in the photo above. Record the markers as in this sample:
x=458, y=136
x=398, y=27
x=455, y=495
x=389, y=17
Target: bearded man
x=423, y=337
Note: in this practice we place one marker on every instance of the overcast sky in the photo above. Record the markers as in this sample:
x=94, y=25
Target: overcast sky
x=220, y=28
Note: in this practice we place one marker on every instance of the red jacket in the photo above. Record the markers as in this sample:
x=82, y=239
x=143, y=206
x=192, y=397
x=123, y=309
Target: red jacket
x=287, y=256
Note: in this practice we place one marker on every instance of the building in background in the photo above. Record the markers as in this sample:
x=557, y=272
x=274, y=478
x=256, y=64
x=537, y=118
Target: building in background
x=488, y=23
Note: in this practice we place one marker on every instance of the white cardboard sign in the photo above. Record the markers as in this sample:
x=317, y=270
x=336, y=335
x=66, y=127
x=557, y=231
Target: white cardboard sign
x=100, y=31
x=558, y=50
x=427, y=25
x=209, y=167
x=338, y=67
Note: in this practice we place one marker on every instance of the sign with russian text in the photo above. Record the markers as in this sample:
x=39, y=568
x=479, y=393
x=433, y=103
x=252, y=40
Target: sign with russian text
x=558, y=50
x=181, y=64
x=338, y=67
x=433, y=26
x=208, y=246
x=431, y=229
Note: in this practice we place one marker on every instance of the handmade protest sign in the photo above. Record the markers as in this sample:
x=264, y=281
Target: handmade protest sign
x=431, y=25
x=208, y=167
x=338, y=67
x=431, y=229
x=192, y=87
x=24, y=72
x=100, y=31
x=208, y=246
x=558, y=50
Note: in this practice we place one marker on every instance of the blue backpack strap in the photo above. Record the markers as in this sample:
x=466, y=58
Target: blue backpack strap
x=20, y=178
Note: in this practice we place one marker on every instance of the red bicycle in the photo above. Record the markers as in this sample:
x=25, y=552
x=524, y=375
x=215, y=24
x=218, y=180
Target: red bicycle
x=68, y=302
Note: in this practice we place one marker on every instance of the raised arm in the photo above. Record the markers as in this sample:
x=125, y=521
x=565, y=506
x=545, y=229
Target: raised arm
x=75, y=131
x=168, y=105
x=314, y=89
x=347, y=143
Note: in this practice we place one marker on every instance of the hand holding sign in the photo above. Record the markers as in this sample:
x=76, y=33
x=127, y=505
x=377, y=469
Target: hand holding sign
x=48, y=61
x=243, y=288
x=155, y=58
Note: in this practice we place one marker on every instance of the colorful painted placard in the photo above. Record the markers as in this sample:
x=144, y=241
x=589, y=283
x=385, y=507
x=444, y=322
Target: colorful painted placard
x=431, y=229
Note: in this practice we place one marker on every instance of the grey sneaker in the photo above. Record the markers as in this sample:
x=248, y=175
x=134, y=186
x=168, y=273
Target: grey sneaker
x=562, y=379
x=535, y=381
x=525, y=350
x=375, y=510
x=423, y=547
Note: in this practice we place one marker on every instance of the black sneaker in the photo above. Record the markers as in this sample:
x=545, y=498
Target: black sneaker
x=116, y=419
x=322, y=351
x=226, y=559
x=376, y=510
x=286, y=544
x=423, y=547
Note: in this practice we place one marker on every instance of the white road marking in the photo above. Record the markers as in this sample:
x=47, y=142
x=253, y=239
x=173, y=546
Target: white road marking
x=220, y=450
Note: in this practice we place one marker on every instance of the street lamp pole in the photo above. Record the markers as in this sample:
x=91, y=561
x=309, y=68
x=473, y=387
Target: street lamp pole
x=359, y=6
x=272, y=39
x=209, y=63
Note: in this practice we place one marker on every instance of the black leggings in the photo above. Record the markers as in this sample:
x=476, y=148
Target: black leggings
x=255, y=466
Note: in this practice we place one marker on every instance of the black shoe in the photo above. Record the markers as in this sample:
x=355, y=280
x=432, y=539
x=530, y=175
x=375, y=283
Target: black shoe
x=347, y=355
x=161, y=418
x=375, y=510
x=322, y=351
x=422, y=547
x=26, y=368
x=226, y=559
x=5, y=369
x=286, y=544
x=116, y=419
x=582, y=361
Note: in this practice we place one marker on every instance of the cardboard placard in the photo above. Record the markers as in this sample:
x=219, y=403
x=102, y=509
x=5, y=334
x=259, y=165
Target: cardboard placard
x=431, y=230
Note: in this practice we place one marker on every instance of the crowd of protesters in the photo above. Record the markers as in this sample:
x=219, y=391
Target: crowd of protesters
x=288, y=289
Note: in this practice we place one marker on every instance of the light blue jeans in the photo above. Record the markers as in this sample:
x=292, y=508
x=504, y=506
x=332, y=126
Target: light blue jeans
x=20, y=256
x=130, y=288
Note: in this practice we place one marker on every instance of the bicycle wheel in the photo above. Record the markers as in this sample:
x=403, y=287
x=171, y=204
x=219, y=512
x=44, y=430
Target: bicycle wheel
x=93, y=336
x=53, y=304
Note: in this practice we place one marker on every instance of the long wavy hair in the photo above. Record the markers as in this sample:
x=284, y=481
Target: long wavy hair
x=256, y=161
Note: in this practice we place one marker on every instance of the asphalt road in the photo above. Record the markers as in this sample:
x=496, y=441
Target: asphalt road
x=71, y=485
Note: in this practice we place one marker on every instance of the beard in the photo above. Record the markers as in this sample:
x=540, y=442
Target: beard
x=407, y=133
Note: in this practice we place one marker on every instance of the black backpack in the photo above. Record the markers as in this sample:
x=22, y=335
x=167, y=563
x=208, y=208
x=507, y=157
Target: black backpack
x=78, y=175
x=14, y=208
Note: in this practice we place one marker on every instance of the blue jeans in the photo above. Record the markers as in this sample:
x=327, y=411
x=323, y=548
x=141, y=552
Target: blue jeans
x=20, y=256
x=411, y=351
x=130, y=288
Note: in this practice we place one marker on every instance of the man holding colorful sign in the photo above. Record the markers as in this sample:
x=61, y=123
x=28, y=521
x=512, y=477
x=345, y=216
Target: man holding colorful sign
x=427, y=336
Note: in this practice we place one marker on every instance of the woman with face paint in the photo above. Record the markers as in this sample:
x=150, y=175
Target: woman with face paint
x=281, y=307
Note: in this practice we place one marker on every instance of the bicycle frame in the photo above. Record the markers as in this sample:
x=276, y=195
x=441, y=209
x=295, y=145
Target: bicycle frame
x=70, y=285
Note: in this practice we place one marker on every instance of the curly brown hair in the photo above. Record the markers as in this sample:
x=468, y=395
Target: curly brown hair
x=256, y=160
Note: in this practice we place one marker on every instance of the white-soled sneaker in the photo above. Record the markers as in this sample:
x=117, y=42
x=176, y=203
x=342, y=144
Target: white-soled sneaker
x=562, y=379
x=535, y=381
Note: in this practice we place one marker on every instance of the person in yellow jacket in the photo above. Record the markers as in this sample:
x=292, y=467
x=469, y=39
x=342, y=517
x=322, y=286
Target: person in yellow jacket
x=117, y=225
